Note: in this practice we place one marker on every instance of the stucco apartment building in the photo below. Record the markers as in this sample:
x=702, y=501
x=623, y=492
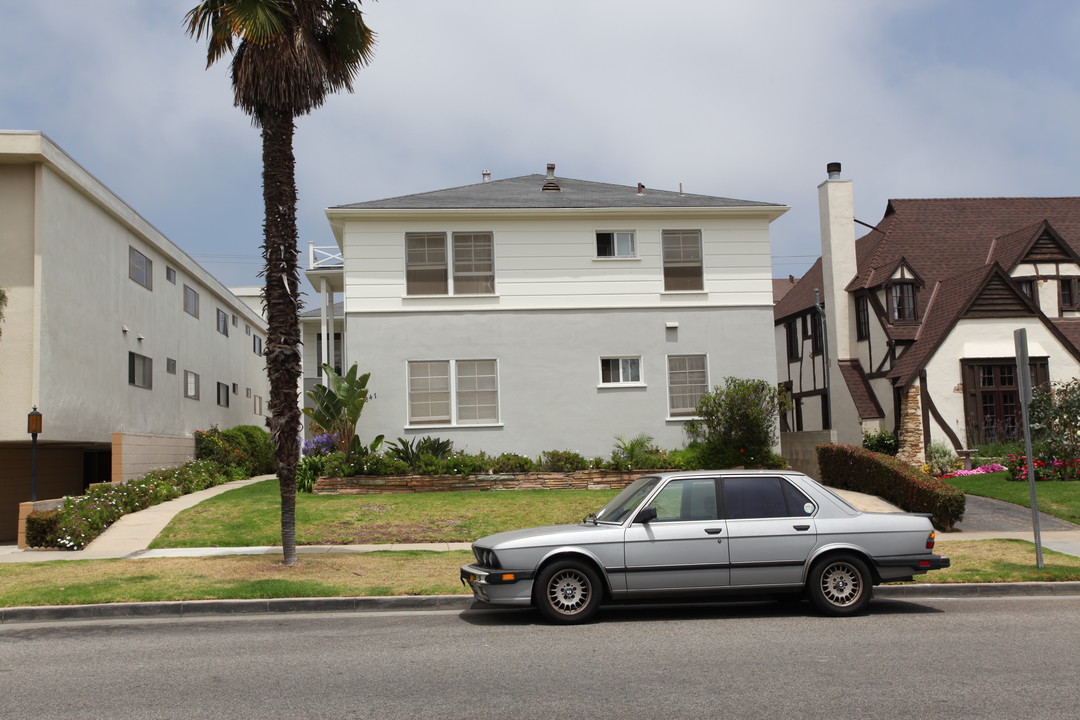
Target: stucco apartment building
x=909, y=328
x=123, y=343
x=541, y=312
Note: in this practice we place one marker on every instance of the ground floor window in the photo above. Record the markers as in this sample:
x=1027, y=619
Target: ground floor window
x=992, y=398
x=688, y=380
x=453, y=392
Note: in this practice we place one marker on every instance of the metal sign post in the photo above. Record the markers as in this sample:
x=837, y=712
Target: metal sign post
x=1023, y=369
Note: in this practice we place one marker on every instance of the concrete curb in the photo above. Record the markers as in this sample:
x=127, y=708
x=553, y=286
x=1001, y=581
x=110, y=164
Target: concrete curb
x=210, y=608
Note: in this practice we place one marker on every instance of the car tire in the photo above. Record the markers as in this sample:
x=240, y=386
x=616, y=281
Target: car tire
x=839, y=585
x=567, y=592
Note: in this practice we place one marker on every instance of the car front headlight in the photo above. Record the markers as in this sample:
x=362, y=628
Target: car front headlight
x=485, y=558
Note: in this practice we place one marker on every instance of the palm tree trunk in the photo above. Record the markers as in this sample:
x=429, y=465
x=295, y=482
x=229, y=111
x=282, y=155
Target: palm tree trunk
x=281, y=298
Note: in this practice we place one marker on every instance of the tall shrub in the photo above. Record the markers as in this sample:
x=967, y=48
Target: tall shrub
x=1055, y=420
x=736, y=423
x=338, y=405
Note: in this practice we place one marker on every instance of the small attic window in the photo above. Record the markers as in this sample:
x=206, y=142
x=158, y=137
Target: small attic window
x=1029, y=288
x=901, y=302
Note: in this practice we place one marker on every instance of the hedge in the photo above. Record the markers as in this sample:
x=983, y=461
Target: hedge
x=855, y=468
x=83, y=517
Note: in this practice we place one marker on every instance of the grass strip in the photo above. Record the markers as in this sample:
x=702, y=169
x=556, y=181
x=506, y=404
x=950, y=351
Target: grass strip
x=387, y=573
x=251, y=516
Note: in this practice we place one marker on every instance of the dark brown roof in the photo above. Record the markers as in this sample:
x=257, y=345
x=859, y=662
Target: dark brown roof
x=781, y=286
x=859, y=387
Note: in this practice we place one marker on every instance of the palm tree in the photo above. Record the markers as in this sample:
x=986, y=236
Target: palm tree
x=290, y=56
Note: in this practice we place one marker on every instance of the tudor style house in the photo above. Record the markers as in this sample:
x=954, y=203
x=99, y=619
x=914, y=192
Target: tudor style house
x=120, y=340
x=910, y=327
x=540, y=312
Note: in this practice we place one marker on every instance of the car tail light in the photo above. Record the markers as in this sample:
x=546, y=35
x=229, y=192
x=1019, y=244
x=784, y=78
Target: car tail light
x=930, y=540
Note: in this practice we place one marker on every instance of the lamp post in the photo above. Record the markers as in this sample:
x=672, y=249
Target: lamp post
x=33, y=426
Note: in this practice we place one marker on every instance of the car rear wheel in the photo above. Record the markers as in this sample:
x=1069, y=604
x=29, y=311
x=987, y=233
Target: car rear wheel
x=567, y=592
x=839, y=585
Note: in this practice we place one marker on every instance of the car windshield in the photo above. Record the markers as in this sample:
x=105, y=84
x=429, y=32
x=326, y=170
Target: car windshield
x=627, y=501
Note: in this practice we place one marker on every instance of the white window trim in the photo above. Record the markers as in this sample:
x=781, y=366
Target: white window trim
x=448, y=240
x=640, y=383
x=189, y=374
x=453, y=396
x=667, y=383
x=616, y=257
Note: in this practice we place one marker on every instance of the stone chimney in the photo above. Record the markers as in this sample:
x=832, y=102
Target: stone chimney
x=836, y=202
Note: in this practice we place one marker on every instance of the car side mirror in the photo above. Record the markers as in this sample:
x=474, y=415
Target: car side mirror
x=647, y=514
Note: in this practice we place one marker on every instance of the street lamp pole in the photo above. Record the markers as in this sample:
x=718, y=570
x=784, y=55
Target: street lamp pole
x=33, y=426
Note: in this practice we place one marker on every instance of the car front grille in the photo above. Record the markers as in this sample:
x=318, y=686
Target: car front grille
x=485, y=558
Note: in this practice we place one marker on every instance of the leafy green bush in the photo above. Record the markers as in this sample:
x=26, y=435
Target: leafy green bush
x=308, y=469
x=458, y=463
x=854, y=468
x=736, y=423
x=383, y=464
x=635, y=454
x=882, y=441
x=255, y=446
x=1054, y=413
x=83, y=517
x=563, y=461
x=410, y=451
x=339, y=464
x=941, y=459
x=512, y=463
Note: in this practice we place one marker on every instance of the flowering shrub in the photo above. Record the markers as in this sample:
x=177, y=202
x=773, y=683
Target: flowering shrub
x=83, y=517
x=981, y=470
x=321, y=445
x=1044, y=470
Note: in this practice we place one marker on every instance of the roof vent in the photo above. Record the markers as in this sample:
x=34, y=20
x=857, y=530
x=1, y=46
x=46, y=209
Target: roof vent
x=549, y=184
x=833, y=169
x=486, y=175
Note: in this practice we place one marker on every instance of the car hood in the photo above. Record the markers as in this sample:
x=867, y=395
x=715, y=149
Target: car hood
x=552, y=535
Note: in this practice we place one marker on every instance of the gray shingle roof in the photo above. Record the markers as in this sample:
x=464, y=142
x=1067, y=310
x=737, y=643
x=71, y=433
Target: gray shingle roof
x=524, y=192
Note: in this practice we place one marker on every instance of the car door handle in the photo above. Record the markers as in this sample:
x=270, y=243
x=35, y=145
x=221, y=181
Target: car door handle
x=714, y=531
x=801, y=528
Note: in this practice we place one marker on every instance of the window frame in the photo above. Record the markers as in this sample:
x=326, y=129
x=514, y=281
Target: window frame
x=862, y=317
x=170, y=274
x=793, y=341
x=454, y=394
x=623, y=363
x=672, y=264
x=192, y=295
x=614, y=239
x=902, y=312
x=1074, y=299
x=140, y=370
x=456, y=269
x=223, y=394
x=141, y=273
x=684, y=413
x=222, y=322
x=257, y=345
x=188, y=392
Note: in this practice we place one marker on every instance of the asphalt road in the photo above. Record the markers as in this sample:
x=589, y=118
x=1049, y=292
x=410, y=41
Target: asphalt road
x=944, y=658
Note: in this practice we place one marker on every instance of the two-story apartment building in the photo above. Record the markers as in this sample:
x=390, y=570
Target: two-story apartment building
x=540, y=312
x=121, y=341
x=910, y=327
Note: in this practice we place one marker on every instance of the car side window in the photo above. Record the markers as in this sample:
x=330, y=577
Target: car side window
x=798, y=504
x=755, y=497
x=686, y=500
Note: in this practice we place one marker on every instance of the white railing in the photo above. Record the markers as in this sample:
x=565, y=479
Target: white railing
x=329, y=256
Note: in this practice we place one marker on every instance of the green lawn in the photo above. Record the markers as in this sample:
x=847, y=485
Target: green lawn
x=251, y=516
x=1058, y=498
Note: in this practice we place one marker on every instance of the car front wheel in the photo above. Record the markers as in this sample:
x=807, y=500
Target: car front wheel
x=568, y=592
x=839, y=585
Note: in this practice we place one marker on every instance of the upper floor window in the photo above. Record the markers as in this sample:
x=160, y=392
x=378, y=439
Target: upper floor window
x=191, y=385
x=222, y=394
x=335, y=352
x=428, y=261
x=223, y=322
x=191, y=301
x=620, y=371
x=256, y=345
x=902, y=302
x=688, y=380
x=682, y=260
x=1029, y=287
x=615, y=245
x=140, y=371
x=170, y=274
x=862, y=318
x=140, y=268
x=794, y=344
x=1067, y=295
x=817, y=333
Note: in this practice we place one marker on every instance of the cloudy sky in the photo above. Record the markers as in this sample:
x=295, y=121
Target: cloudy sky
x=749, y=99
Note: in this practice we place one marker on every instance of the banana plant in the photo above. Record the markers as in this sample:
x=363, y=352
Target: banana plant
x=339, y=403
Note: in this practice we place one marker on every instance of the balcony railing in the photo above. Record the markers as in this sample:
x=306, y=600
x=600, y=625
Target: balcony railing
x=327, y=256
